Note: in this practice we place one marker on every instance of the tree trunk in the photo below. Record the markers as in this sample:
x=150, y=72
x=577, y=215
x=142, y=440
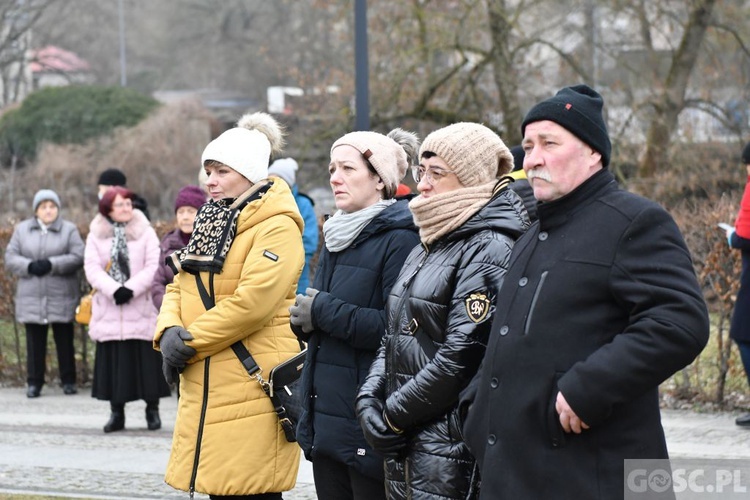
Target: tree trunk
x=671, y=102
x=504, y=73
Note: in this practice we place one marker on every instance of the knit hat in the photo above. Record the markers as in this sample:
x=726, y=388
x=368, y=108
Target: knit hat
x=190, y=196
x=474, y=153
x=285, y=168
x=518, y=155
x=247, y=148
x=389, y=155
x=45, y=195
x=579, y=110
x=746, y=154
x=112, y=177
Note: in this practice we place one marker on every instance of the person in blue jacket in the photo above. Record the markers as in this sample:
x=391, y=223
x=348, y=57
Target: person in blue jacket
x=286, y=170
x=342, y=317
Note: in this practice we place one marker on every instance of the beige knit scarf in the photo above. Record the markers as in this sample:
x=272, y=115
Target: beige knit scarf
x=440, y=214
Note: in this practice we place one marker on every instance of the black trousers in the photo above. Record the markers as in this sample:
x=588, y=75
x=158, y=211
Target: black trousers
x=36, y=352
x=335, y=480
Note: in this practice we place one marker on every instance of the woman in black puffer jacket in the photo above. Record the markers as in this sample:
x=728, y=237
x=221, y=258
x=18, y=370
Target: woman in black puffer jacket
x=439, y=313
x=343, y=316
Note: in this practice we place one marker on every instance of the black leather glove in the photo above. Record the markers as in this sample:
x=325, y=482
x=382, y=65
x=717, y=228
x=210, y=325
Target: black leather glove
x=171, y=374
x=173, y=348
x=378, y=434
x=123, y=295
x=40, y=267
x=301, y=311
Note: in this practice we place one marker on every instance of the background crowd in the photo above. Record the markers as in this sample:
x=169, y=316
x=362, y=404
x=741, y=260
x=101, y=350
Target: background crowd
x=503, y=317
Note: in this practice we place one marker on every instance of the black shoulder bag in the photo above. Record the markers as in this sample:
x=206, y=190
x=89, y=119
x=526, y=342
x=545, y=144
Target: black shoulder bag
x=283, y=386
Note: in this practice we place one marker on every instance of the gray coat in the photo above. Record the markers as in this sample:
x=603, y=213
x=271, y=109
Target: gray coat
x=51, y=298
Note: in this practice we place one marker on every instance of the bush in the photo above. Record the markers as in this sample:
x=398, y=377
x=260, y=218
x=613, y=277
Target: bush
x=68, y=115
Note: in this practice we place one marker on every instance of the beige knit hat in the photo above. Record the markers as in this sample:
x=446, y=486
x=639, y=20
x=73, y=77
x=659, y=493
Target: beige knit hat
x=475, y=153
x=389, y=155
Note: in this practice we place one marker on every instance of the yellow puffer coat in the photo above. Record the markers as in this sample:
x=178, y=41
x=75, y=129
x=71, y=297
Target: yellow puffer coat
x=242, y=449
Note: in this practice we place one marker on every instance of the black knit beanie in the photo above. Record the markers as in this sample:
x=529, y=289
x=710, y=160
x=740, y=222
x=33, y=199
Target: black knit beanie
x=112, y=177
x=579, y=110
x=746, y=154
x=518, y=155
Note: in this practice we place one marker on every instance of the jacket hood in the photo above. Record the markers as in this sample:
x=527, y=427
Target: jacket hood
x=397, y=216
x=505, y=213
x=278, y=200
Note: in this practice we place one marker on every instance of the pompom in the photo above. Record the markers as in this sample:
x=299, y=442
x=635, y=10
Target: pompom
x=266, y=125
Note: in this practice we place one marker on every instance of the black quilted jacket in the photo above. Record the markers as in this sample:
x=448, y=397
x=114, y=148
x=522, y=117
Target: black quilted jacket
x=450, y=292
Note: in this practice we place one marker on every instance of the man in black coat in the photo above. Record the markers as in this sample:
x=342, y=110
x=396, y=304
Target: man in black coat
x=600, y=305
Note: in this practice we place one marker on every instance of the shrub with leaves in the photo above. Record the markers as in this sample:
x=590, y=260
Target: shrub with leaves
x=68, y=115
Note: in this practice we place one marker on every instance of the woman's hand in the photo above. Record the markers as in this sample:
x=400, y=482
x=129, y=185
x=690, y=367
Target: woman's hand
x=301, y=311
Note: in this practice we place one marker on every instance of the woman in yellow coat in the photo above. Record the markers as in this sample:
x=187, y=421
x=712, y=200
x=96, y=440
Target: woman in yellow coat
x=246, y=249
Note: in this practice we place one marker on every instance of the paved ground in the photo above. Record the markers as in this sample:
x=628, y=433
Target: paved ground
x=55, y=445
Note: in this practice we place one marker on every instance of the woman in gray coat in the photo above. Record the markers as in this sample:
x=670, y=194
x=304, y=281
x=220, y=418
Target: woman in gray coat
x=45, y=252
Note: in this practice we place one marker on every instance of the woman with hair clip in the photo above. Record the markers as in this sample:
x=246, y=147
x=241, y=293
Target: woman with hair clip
x=234, y=282
x=440, y=311
x=121, y=256
x=343, y=315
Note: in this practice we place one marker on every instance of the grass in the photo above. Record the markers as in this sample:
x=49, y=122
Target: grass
x=13, y=356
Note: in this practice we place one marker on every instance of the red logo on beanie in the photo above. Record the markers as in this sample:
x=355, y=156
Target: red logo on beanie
x=568, y=106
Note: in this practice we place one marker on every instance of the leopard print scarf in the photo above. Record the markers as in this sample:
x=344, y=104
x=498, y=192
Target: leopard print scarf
x=213, y=233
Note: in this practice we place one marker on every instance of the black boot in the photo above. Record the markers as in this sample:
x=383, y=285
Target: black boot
x=152, y=416
x=116, y=419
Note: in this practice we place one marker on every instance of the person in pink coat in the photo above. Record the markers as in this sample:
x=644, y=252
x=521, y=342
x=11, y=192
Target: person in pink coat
x=120, y=259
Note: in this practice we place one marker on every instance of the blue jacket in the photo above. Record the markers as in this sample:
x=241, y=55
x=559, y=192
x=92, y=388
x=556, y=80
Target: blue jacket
x=309, y=236
x=349, y=319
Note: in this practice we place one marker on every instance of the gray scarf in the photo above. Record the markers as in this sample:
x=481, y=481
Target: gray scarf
x=341, y=229
x=118, y=255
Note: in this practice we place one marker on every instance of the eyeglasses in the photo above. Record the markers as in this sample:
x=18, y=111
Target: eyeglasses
x=122, y=204
x=431, y=175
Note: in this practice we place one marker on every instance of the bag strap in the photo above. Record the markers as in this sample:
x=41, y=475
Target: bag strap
x=248, y=362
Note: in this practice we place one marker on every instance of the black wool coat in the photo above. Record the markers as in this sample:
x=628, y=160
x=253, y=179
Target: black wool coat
x=449, y=290
x=349, y=319
x=601, y=303
x=740, y=329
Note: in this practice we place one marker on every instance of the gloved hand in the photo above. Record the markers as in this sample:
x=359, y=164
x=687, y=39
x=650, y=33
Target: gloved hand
x=40, y=267
x=123, y=295
x=173, y=348
x=377, y=433
x=301, y=311
x=171, y=374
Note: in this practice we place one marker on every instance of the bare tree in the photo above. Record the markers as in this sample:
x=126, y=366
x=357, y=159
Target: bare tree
x=17, y=18
x=671, y=98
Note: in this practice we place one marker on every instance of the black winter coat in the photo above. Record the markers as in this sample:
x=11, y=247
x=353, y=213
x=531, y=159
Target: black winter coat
x=601, y=303
x=449, y=290
x=740, y=329
x=349, y=319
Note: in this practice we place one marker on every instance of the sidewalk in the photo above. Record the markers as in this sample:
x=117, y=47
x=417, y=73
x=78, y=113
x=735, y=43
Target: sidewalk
x=54, y=445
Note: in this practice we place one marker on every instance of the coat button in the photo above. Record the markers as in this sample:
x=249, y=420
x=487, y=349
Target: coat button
x=491, y=439
x=504, y=330
x=543, y=236
x=555, y=442
x=494, y=383
x=523, y=281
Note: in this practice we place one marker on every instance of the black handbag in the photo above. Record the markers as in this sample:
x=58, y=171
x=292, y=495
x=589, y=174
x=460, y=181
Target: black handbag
x=283, y=386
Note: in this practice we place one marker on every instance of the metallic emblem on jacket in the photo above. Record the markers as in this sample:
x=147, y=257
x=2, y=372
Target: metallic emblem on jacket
x=477, y=307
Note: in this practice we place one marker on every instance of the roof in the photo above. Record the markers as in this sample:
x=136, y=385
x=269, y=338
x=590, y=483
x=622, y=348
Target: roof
x=55, y=59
